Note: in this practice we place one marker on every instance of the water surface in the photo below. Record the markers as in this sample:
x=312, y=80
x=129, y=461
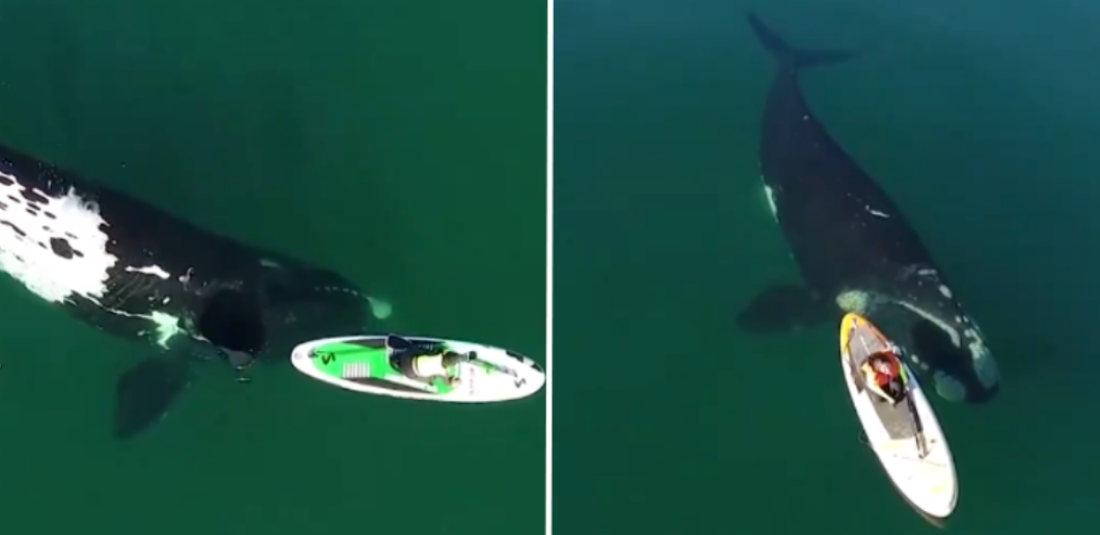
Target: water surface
x=979, y=119
x=396, y=142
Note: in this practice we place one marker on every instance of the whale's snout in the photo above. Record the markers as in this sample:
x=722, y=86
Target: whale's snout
x=308, y=303
x=960, y=365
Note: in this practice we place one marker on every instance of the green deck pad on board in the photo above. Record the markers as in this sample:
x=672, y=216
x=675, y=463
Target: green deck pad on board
x=376, y=358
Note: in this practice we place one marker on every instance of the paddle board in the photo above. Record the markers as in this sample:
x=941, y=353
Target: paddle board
x=906, y=437
x=369, y=364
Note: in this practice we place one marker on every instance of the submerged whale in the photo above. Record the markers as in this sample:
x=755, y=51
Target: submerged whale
x=853, y=247
x=138, y=272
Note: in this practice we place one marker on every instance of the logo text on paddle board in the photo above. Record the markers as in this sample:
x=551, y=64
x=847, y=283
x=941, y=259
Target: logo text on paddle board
x=326, y=357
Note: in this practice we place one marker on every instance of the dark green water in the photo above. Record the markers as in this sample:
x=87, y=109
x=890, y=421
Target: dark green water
x=401, y=143
x=979, y=118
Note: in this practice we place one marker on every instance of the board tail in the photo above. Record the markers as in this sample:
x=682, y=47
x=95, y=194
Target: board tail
x=789, y=56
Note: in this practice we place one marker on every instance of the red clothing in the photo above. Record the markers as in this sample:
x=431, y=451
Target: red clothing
x=893, y=367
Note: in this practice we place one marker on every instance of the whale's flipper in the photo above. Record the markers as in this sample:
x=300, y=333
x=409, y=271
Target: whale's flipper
x=231, y=320
x=789, y=57
x=785, y=307
x=144, y=393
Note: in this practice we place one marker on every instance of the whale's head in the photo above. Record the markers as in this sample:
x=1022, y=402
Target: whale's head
x=290, y=303
x=944, y=345
x=951, y=349
x=314, y=302
x=261, y=314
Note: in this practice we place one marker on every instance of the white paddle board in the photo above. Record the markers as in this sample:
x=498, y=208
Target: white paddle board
x=370, y=365
x=905, y=437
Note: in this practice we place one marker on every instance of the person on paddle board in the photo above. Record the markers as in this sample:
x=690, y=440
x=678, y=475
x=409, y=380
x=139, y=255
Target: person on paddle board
x=882, y=372
x=424, y=363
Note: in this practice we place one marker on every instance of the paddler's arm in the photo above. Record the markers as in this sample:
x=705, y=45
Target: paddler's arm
x=878, y=390
x=872, y=384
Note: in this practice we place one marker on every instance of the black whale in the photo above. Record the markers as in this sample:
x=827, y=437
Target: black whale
x=854, y=248
x=138, y=272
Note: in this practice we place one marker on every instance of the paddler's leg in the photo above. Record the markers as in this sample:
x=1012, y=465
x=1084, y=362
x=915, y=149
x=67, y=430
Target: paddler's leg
x=895, y=389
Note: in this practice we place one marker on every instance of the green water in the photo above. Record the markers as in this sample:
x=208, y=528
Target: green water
x=401, y=143
x=979, y=118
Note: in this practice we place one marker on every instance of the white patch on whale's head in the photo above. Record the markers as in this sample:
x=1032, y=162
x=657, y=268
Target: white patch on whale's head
x=965, y=336
x=859, y=301
x=937, y=334
x=56, y=246
x=769, y=196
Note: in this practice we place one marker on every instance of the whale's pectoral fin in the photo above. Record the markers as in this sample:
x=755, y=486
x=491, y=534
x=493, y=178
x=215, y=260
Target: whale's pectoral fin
x=144, y=393
x=783, y=308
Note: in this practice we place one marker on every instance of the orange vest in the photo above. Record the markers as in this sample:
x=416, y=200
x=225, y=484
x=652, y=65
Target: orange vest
x=884, y=379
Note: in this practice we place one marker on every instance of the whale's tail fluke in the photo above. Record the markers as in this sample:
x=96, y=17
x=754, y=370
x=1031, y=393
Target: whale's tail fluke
x=789, y=57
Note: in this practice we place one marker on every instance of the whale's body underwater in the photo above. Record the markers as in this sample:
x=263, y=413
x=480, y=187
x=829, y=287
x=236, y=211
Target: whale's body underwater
x=135, y=271
x=853, y=246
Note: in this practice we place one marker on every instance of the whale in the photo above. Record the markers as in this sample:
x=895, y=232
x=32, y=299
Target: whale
x=135, y=271
x=854, y=249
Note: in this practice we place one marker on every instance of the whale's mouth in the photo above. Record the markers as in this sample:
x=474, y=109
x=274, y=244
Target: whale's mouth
x=314, y=304
x=311, y=312
x=955, y=377
x=233, y=320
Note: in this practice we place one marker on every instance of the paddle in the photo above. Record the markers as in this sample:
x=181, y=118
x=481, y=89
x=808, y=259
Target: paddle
x=918, y=426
